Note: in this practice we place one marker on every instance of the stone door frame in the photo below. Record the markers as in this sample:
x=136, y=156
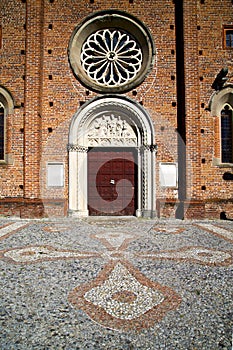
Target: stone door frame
x=86, y=131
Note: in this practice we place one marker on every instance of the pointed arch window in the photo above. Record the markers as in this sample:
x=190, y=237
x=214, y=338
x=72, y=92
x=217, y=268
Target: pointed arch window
x=6, y=109
x=227, y=134
x=2, y=132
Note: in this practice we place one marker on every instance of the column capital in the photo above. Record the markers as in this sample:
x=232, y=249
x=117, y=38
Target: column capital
x=77, y=148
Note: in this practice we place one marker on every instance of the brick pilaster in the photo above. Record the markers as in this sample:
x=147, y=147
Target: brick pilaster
x=192, y=106
x=32, y=121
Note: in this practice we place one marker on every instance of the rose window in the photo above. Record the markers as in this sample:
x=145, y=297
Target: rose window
x=111, y=57
x=111, y=52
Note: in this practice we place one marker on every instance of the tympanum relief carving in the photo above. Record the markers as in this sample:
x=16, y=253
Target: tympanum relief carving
x=111, y=130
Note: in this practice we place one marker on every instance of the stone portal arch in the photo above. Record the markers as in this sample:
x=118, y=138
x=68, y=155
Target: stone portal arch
x=113, y=122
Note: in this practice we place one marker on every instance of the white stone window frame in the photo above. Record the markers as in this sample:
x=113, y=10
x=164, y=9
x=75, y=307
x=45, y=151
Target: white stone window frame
x=230, y=107
x=7, y=102
x=112, y=20
x=216, y=104
x=4, y=132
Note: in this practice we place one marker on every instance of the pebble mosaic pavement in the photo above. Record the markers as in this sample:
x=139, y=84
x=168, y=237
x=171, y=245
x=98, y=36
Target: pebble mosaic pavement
x=116, y=283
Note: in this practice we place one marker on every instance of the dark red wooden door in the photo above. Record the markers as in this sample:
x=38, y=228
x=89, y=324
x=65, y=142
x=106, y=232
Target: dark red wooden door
x=111, y=182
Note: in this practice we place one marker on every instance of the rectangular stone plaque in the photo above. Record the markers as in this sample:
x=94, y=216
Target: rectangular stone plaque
x=55, y=174
x=168, y=175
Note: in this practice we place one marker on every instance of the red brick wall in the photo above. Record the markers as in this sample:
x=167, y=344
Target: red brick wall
x=35, y=69
x=212, y=57
x=12, y=71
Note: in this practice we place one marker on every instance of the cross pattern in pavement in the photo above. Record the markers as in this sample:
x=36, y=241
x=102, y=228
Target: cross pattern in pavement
x=121, y=297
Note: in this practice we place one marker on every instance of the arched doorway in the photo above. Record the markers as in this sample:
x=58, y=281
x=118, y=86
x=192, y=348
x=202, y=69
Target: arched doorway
x=111, y=159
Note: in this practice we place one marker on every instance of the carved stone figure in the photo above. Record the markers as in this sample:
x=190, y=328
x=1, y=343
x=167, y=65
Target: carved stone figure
x=111, y=130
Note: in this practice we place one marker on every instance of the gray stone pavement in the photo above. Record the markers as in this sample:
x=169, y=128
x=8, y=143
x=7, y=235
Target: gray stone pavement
x=116, y=283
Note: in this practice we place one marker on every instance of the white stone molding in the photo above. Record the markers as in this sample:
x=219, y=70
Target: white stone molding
x=219, y=98
x=76, y=148
x=216, y=104
x=7, y=100
x=117, y=122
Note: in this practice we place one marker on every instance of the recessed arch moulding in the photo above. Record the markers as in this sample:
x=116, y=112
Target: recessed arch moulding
x=115, y=122
x=219, y=98
x=7, y=100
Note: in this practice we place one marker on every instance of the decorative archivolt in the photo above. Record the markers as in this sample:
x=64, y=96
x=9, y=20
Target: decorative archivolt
x=111, y=121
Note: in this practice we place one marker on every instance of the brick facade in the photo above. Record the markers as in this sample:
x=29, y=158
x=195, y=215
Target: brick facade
x=35, y=70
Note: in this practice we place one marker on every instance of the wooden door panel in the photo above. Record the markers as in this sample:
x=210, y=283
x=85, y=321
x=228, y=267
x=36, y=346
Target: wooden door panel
x=107, y=193
x=106, y=168
x=130, y=168
x=118, y=167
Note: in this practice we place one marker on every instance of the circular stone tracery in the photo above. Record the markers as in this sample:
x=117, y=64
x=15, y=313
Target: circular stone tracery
x=111, y=57
x=111, y=52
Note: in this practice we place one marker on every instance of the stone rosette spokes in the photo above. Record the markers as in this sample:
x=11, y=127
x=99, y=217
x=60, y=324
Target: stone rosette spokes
x=111, y=57
x=111, y=52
